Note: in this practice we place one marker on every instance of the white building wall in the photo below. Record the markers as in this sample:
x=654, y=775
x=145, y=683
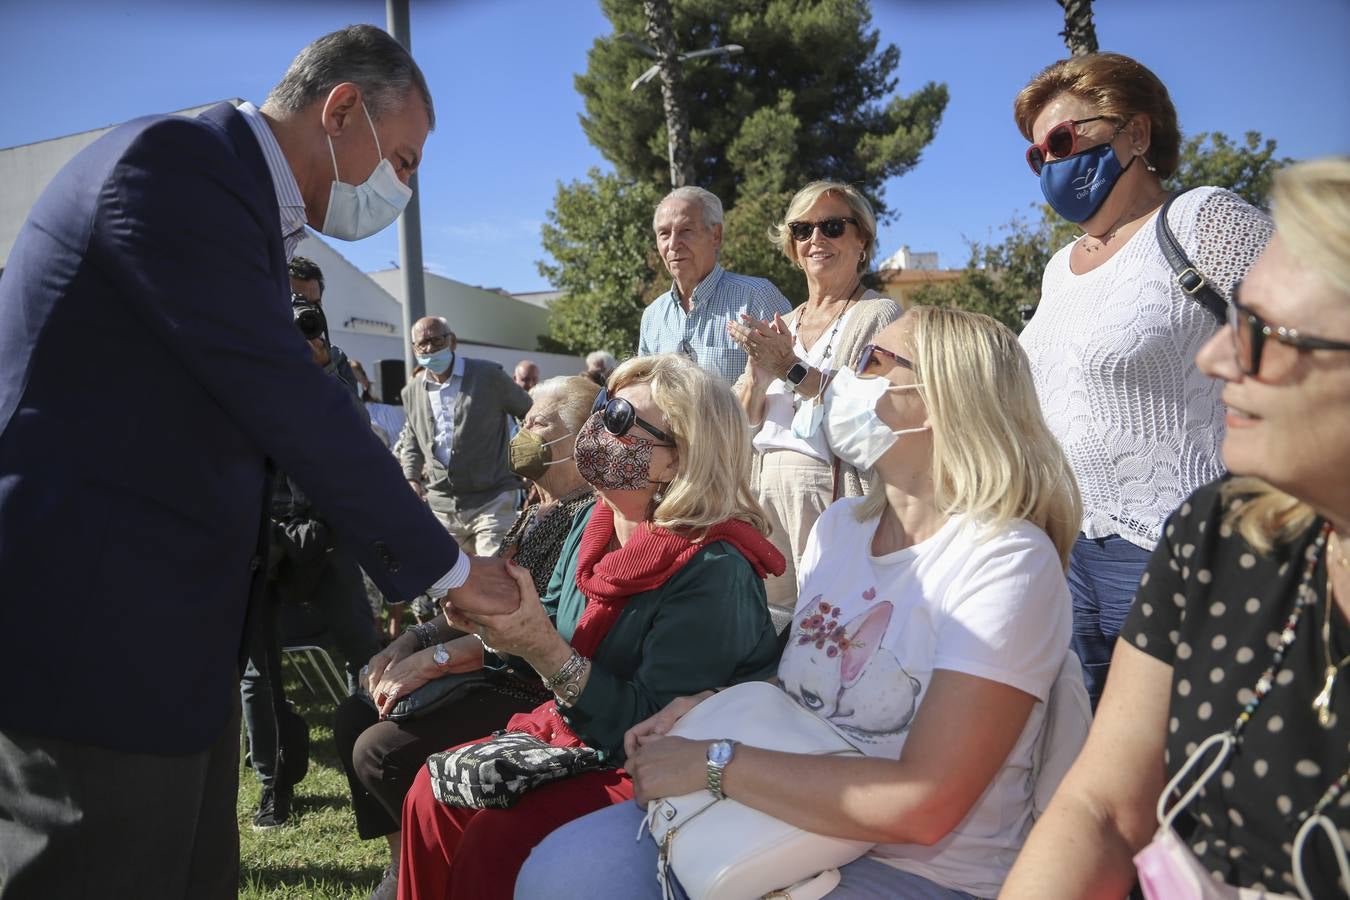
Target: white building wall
x=476, y=315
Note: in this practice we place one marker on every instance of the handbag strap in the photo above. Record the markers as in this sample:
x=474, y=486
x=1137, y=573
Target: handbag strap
x=1190, y=279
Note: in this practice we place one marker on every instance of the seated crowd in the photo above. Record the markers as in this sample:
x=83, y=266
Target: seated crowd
x=964, y=517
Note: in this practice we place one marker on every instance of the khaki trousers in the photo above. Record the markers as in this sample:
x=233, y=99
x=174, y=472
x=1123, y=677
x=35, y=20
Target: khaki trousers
x=794, y=490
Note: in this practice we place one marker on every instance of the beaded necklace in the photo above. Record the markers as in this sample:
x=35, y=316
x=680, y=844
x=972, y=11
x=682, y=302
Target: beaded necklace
x=1307, y=597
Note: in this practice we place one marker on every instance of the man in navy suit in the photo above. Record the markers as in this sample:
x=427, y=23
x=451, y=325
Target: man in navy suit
x=129, y=533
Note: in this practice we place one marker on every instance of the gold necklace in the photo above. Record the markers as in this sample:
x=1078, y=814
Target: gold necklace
x=1322, y=702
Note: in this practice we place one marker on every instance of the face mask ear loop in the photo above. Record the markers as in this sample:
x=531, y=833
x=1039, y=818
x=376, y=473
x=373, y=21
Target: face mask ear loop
x=336, y=176
x=371, y=123
x=557, y=440
x=1337, y=848
x=1226, y=741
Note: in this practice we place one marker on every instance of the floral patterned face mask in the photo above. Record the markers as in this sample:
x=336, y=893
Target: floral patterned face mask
x=611, y=463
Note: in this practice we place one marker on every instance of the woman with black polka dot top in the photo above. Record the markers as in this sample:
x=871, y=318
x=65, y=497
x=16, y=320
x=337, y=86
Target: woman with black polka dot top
x=1220, y=755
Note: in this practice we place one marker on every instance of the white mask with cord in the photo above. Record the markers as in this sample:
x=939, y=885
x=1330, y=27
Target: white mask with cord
x=360, y=210
x=853, y=429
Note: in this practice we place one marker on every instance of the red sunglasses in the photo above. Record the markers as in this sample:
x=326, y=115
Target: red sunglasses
x=1060, y=141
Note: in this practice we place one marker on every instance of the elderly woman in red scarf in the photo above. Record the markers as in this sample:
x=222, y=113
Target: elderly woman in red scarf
x=658, y=593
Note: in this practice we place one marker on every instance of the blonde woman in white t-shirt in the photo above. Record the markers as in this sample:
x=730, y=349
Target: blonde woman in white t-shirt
x=933, y=619
x=1113, y=341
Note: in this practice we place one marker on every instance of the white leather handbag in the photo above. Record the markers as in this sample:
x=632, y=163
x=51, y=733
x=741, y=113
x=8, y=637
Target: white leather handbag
x=724, y=850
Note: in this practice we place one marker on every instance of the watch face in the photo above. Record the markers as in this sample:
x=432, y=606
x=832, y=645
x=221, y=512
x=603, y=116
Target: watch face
x=720, y=753
x=440, y=656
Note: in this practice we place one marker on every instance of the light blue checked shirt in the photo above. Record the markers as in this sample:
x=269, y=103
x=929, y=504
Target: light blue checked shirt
x=701, y=333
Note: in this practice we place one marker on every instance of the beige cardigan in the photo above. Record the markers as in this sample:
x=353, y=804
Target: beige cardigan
x=875, y=311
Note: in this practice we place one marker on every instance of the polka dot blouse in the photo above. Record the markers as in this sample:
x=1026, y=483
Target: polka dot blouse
x=1212, y=608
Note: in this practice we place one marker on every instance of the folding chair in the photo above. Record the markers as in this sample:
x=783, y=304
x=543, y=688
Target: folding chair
x=300, y=654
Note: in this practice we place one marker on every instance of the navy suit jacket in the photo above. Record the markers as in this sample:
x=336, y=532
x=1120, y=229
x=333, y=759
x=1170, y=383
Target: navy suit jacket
x=149, y=368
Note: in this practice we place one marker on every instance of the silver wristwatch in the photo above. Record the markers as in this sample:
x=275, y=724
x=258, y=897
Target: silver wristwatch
x=719, y=755
x=440, y=656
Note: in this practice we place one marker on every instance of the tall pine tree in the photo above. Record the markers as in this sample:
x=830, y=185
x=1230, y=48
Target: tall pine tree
x=812, y=96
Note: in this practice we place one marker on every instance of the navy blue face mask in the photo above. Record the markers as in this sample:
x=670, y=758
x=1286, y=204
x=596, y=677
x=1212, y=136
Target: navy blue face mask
x=1078, y=185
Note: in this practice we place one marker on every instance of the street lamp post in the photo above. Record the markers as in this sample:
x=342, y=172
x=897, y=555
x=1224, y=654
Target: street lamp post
x=410, y=223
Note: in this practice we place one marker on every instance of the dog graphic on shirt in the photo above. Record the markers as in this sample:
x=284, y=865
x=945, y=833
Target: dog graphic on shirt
x=841, y=672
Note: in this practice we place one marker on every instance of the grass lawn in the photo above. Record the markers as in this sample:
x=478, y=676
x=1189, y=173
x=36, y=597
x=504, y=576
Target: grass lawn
x=317, y=853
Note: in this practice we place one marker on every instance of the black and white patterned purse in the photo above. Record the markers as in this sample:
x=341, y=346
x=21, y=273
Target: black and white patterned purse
x=493, y=774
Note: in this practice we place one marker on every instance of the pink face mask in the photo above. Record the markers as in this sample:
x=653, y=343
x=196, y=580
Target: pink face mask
x=1167, y=868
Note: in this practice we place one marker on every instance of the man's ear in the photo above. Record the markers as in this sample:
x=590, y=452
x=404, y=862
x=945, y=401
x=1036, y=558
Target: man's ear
x=717, y=236
x=344, y=101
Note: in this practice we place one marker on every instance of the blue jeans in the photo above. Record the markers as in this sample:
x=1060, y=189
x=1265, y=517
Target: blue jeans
x=597, y=857
x=1104, y=573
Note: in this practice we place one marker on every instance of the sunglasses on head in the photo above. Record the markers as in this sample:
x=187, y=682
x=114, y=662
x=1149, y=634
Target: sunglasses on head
x=1250, y=332
x=872, y=354
x=1060, y=141
x=832, y=227
x=619, y=417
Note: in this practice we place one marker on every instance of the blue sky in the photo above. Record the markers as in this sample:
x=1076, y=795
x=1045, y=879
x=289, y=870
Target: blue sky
x=502, y=74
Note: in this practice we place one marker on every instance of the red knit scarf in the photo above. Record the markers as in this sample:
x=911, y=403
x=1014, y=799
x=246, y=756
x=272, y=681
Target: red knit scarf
x=607, y=580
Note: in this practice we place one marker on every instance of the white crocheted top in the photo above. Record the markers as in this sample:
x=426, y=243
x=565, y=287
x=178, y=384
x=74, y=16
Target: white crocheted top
x=1113, y=355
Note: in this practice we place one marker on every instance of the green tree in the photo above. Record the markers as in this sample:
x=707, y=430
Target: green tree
x=812, y=96
x=820, y=57
x=1247, y=168
x=600, y=238
x=1001, y=278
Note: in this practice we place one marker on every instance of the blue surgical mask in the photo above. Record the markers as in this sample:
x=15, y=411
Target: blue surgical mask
x=437, y=362
x=1078, y=185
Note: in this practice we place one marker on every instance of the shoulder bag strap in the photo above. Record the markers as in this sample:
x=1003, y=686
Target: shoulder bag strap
x=1192, y=282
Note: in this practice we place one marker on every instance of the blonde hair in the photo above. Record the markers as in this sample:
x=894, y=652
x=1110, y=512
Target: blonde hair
x=807, y=197
x=994, y=458
x=1311, y=203
x=712, y=441
x=1119, y=88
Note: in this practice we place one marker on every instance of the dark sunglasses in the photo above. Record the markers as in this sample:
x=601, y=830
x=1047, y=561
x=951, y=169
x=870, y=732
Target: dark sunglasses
x=619, y=416
x=832, y=227
x=1250, y=332
x=870, y=354
x=1060, y=141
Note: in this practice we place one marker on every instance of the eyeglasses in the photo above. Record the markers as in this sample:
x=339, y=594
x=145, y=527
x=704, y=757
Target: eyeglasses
x=870, y=354
x=432, y=342
x=1061, y=141
x=1250, y=332
x=832, y=227
x=619, y=416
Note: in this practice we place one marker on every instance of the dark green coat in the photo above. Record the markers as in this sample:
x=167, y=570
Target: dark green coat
x=707, y=626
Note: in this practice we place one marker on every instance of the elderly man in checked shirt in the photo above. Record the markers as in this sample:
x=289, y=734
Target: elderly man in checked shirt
x=691, y=317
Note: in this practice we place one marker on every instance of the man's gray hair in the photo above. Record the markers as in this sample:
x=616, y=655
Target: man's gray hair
x=601, y=359
x=362, y=54
x=712, y=206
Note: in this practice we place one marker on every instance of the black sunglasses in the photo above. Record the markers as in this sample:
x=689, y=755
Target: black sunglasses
x=870, y=354
x=619, y=416
x=832, y=227
x=1250, y=332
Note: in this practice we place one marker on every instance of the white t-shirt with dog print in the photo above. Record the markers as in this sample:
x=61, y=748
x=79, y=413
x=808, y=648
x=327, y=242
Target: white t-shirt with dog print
x=869, y=630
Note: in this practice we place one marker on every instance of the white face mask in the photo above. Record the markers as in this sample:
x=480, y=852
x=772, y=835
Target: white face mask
x=358, y=211
x=854, y=430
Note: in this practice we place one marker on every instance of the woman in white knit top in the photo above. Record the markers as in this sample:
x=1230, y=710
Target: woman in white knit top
x=1114, y=338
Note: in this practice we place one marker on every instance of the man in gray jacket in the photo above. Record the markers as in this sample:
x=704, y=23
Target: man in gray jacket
x=454, y=447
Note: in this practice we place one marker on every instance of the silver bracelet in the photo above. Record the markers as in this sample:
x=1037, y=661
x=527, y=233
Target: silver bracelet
x=424, y=633
x=568, y=672
x=568, y=692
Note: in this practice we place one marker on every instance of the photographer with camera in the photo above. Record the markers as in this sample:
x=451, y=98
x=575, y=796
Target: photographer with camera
x=310, y=583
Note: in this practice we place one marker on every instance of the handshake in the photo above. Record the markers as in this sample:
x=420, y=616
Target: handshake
x=490, y=589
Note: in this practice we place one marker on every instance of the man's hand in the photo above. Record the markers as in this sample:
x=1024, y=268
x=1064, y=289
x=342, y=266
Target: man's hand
x=318, y=350
x=489, y=589
x=420, y=491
